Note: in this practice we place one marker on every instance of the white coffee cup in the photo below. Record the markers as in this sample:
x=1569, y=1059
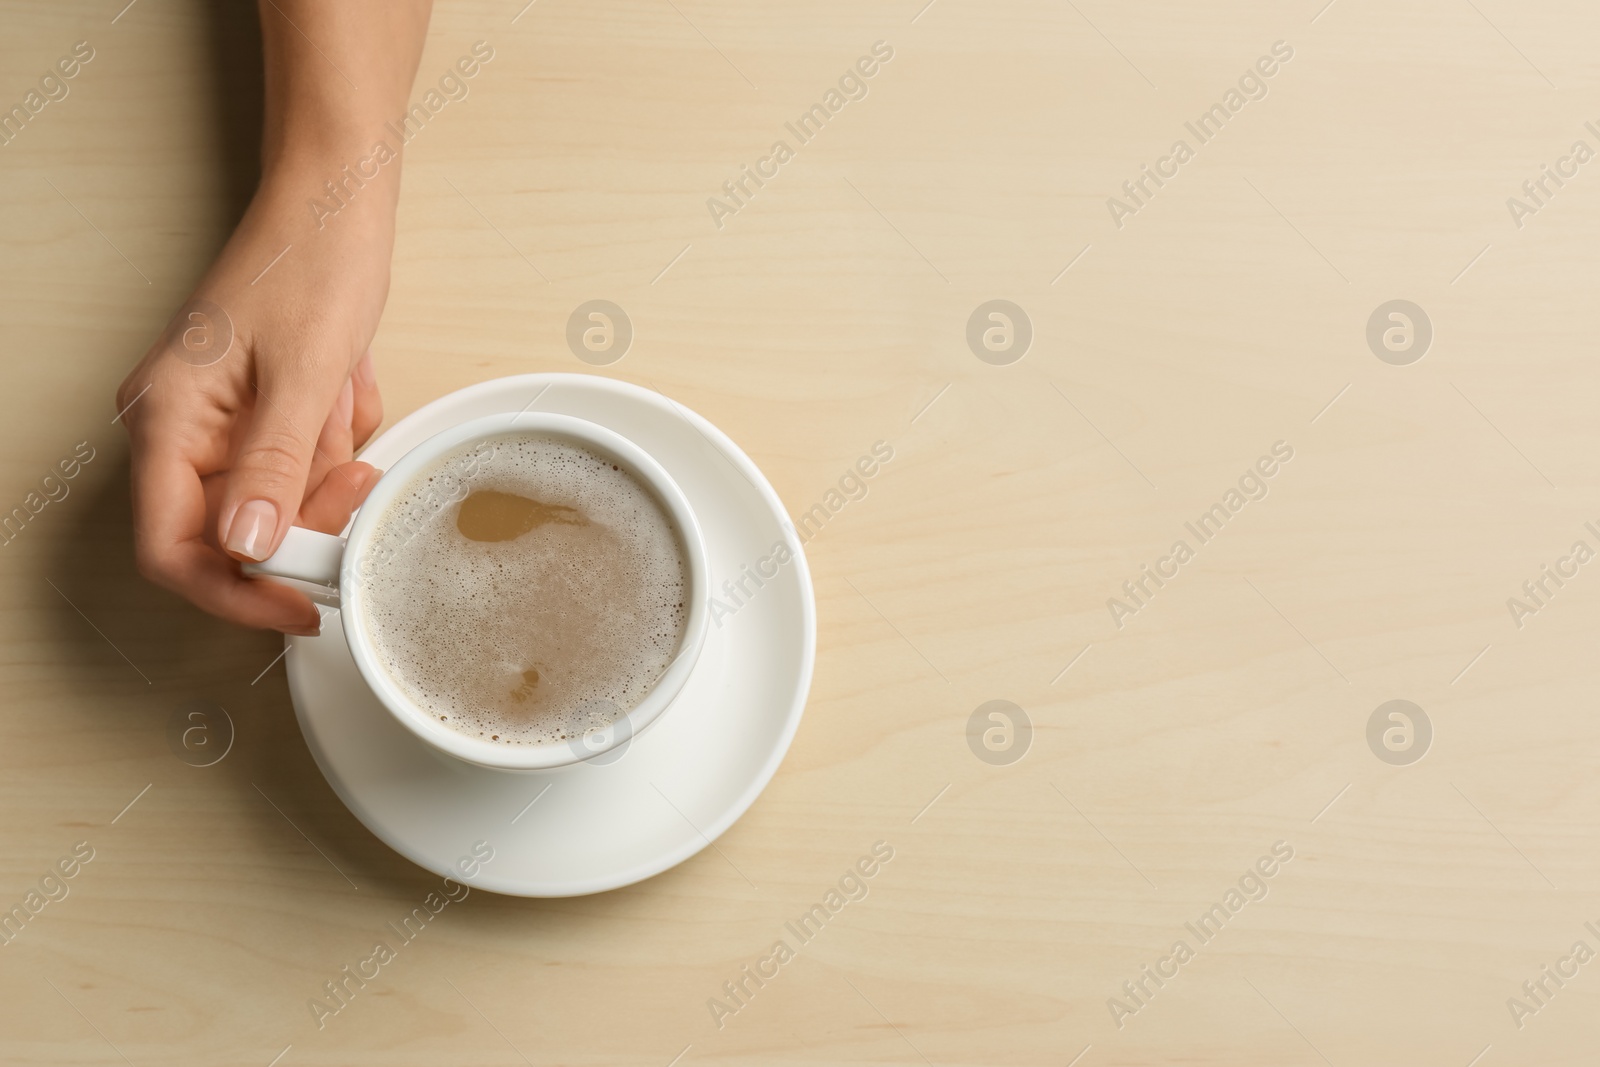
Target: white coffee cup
x=334, y=566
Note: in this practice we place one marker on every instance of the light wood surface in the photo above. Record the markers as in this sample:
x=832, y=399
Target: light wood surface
x=1228, y=714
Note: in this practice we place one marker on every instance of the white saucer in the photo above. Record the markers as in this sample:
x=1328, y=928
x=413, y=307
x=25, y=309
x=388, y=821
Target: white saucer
x=676, y=786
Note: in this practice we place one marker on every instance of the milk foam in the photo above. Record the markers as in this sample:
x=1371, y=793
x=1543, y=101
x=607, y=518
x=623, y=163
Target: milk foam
x=592, y=611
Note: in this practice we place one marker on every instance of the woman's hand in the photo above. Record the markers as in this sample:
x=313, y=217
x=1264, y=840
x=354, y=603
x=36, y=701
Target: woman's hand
x=244, y=416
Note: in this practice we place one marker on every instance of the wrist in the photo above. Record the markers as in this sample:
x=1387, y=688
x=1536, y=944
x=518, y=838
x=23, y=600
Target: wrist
x=315, y=131
x=352, y=177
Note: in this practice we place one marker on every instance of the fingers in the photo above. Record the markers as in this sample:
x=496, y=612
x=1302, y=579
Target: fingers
x=333, y=443
x=368, y=409
x=329, y=506
x=169, y=516
x=169, y=510
x=212, y=583
x=268, y=480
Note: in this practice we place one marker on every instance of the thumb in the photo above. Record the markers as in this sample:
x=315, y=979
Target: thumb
x=268, y=479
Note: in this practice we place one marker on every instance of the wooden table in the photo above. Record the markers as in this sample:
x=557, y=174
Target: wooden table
x=1170, y=743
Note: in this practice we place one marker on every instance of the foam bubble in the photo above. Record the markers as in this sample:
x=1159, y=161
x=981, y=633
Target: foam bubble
x=519, y=641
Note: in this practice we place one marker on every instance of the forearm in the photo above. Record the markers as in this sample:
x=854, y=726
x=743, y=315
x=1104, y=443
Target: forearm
x=335, y=74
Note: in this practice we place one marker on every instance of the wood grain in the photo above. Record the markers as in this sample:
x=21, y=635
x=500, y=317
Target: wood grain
x=1228, y=713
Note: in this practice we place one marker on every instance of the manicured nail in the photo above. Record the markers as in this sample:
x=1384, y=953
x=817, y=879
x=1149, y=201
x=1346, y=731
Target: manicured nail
x=364, y=372
x=250, y=533
x=369, y=479
x=307, y=629
x=346, y=404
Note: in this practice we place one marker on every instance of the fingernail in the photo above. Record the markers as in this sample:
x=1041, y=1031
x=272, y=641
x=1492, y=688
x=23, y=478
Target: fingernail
x=370, y=479
x=346, y=404
x=250, y=533
x=309, y=629
x=364, y=372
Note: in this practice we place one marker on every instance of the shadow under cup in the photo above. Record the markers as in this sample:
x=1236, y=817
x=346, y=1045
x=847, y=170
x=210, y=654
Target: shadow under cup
x=471, y=443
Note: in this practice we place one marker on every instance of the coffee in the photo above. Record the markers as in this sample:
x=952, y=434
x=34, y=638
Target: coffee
x=525, y=589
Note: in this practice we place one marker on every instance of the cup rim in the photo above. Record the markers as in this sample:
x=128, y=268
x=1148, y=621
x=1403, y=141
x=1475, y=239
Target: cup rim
x=532, y=757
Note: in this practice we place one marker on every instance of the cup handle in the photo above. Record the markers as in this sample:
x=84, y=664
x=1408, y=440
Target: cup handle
x=307, y=560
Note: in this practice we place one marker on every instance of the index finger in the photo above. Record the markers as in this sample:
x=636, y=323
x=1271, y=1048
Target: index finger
x=169, y=525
